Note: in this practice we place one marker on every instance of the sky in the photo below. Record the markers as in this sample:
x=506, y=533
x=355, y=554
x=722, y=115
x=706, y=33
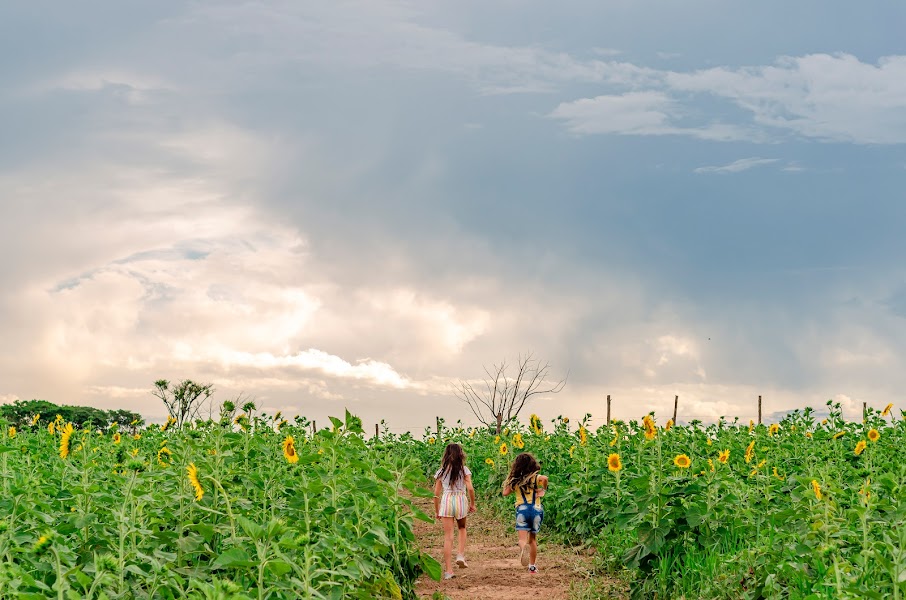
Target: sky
x=358, y=203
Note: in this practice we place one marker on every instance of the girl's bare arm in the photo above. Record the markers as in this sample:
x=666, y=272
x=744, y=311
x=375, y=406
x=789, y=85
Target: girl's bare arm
x=507, y=490
x=438, y=488
x=471, y=491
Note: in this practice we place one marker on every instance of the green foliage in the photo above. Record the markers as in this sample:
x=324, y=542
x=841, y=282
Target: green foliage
x=118, y=517
x=21, y=413
x=746, y=529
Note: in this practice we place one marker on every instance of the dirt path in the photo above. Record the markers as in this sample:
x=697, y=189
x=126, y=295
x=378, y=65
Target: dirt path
x=494, y=571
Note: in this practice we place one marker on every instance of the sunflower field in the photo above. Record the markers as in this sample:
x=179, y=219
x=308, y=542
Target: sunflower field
x=254, y=508
x=803, y=508
x=262, y=508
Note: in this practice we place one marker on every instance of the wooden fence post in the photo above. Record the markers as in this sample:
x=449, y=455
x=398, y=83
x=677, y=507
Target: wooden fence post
x=675, y=406
x=314, y=427
x=376, y=435
x=864, y=411
x=437, y=419
x=608, y=409
x=759, y=410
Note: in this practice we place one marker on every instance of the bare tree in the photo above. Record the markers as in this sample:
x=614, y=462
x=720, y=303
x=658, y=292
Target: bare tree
x=184, y=399
x=501, y=396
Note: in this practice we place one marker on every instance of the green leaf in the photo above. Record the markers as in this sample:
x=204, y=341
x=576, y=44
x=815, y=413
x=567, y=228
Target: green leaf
x=384, y=474
x=252, y=529
x=430, y=566
x=234, y=557
x=279, y=568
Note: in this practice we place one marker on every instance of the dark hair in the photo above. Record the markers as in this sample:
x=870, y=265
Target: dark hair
x=453, y=463
x=524, y=467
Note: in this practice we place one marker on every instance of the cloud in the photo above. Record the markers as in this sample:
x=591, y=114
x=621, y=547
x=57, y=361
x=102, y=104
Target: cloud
x=288, y=200
x=743, y=164
x=833, y=98
x=367, y=370
x=820, y=97
x=637, y=113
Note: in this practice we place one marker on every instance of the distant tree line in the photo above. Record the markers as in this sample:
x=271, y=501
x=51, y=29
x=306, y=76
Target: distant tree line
x=21, y=413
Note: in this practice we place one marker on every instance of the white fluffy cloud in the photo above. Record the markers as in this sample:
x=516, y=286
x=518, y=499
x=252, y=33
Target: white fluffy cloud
x=823, y=97
x=638, y=113
x=743, y=164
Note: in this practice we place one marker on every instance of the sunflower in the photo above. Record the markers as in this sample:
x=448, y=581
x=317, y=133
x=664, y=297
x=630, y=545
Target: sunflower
x=808, y=434
x=496, y=439
x=816, y=487
x=750, y=451
x=669, y=425
x=51, y=428
x=711, y=464
x=536, y=424
x=616, y=436
x=571, y=450
x=613, y=462
x=12, y=432
x=860, y=447
x=774, y=428
x=503, y=449
x=289, y=450
x=64, y=440
x=517, y=441
x=723, y=456
x=116, y=438
x=777, y=475
x=886, y=410
x=873, y=435
x=432, y=440
x=192, y=470
x=751, y=425
x=164, y=456
x=565, y=420
x=489, y=462
x=583, y=436
x=34, y=420
x=839, y=434
x=170, y=421
x=41, y=544
x=682, y=461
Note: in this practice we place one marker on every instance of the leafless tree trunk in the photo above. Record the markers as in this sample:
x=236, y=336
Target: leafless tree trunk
x=500, y=397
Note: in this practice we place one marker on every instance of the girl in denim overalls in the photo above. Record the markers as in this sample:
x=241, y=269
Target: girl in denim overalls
x=529, y=486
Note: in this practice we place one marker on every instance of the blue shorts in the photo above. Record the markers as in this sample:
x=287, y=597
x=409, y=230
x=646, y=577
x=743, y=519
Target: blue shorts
x=529, y=517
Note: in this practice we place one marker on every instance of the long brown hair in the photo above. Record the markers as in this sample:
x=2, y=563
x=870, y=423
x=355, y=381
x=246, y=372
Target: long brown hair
x=524, y=467
x=453, y=463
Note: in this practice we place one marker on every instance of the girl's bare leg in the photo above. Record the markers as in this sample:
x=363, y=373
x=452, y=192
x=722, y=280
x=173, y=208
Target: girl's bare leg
x=461, y=523
x=533, y=547
x=448, y=544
